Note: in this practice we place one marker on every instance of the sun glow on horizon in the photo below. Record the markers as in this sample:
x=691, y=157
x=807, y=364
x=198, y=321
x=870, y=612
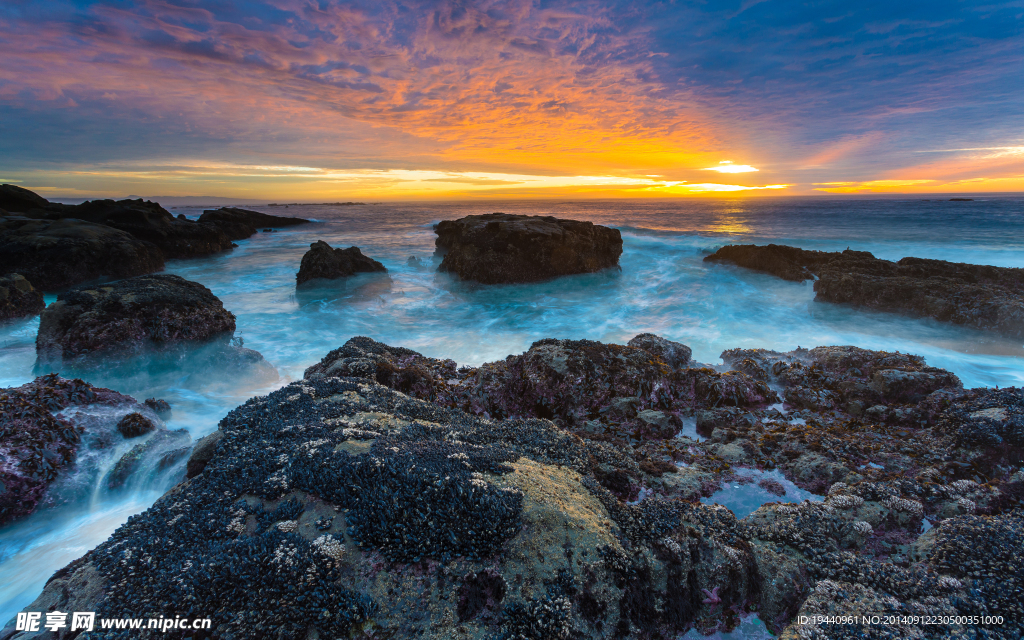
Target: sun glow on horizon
x=726, y=166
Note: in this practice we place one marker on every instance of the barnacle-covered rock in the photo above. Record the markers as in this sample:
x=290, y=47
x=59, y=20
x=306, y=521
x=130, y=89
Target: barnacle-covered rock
x=18, y=298
x=324, y=262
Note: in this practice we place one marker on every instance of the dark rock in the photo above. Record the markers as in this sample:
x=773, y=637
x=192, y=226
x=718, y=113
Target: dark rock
x=54, y=254
x=15, y=198
x=129, y=316
x=978, y=296
x=673, y=353
x=160, y=407
x=503, y=248
x=203, y=453
x=144, y=220
x=322, y=261
x=239, y=224
x=150, y=222
x=18, y=298
x=134, y=425
x=39, y=446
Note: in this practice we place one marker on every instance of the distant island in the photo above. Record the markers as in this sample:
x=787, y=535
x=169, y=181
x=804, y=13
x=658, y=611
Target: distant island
x=315, y=204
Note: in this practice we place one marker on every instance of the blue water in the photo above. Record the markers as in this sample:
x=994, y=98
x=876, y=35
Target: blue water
x=663, y=287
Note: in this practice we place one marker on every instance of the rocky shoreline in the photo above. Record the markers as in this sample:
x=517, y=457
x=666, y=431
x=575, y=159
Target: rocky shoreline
x=558, y=494
x=978, y=296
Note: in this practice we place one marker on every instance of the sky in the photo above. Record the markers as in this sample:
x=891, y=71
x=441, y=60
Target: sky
x=305, y=100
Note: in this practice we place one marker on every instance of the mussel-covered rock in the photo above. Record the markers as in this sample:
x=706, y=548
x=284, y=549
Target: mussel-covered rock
x=503, y=248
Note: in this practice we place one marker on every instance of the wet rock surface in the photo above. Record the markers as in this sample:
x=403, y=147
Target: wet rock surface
x=54, y=254
x=44, y=425
x=324, y=262
x=18, y=298
x=130, y=316
x=394, y=495
x=239, y=224
x=977, y=296
x=503, y=248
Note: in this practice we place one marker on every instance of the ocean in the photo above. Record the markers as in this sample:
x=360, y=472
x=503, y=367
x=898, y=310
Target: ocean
x=663, y=287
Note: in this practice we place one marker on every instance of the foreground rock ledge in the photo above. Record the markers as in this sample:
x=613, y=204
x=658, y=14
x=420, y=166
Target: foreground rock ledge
x=977, y=296
x=342, y=507
x=503, y=248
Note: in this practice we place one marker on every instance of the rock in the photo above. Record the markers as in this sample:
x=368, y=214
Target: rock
x=502, y=248
x=203, y=453
x=134, y=425
x=54, y=254
x=18, y=298
x=39, y=444
x=673, y=353
x=978, y=296
x=15, y=198
x=239, y=224
x=159, y=407
x=322, y=261
x=150, y=222
x=130, y=316
x=142, y=219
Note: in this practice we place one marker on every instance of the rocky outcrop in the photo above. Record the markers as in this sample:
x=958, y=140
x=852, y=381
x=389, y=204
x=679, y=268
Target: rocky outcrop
x=18, y=298
x=239, y=224
x=503, y=248
x=144, y=220
x=977, y=296
x=324, y=262
x=340, y=494
x=55, y=254
x=150, y=222
x=129, y=317
x=40, y=441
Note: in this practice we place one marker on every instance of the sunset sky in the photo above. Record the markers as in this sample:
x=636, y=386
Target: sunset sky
x=306, y=100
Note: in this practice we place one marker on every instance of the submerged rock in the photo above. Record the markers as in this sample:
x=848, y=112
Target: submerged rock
x=18, y=298
x=239, y=224
x=977, y=296
x=323, y=261
x=54, y=254
x=503, y=248
x=129, y=317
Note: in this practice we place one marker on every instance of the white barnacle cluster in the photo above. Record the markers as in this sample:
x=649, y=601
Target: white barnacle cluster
x=237, y=524
x=329, y=546
x=282, y=459
x=827, y=588
x=175, y=519
x=458, y=456
x=671, y=545
x=359, y=434
x=312, y=446
x=903, y=504
x=845, y=501
x=837, y=487
x=947, y=582
x=732, y=554
x=964, y=486
x=967, y=505
x=863, y=528
x=288, y=526
x=284, y=554
x=279, y=480
x=787, y=509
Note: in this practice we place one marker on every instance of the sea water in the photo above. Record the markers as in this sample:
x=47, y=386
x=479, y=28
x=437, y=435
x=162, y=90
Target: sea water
x=663, y=287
